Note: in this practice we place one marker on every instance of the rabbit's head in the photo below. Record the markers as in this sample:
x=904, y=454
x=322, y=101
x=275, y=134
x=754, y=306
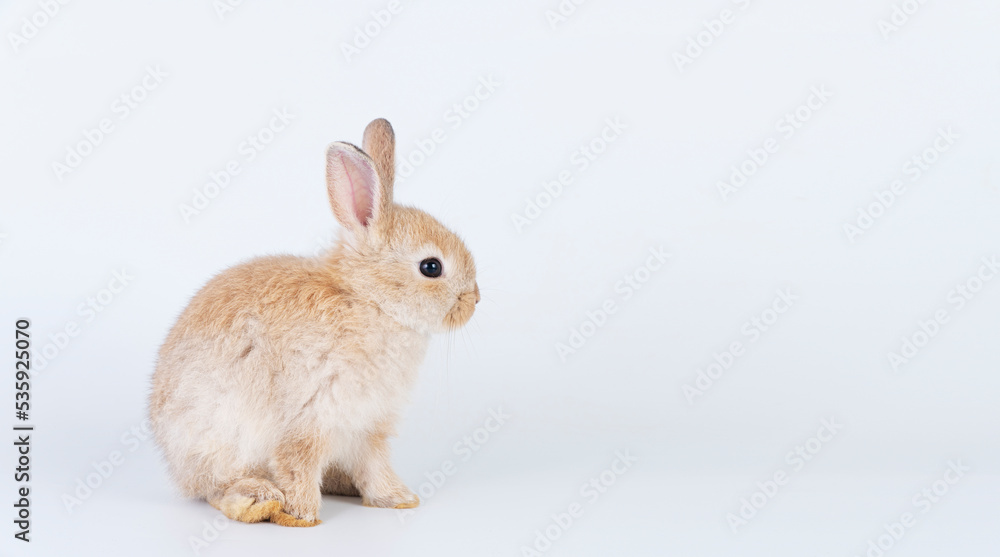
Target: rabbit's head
x=402, y=259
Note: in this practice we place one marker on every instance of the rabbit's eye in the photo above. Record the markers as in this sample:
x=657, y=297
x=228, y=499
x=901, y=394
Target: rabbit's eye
x=431, y=267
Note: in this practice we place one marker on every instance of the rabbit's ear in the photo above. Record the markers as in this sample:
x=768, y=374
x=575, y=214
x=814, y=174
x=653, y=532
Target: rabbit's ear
x=353, y=186
x=380, y=144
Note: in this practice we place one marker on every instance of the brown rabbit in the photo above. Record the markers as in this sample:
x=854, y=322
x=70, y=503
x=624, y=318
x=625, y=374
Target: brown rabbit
x=284, y=376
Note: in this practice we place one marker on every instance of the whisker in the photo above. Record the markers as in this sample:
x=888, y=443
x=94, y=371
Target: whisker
x=469, y=342
x=481, y=290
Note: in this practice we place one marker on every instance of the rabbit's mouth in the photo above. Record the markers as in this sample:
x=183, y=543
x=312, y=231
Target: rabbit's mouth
x=462, y=311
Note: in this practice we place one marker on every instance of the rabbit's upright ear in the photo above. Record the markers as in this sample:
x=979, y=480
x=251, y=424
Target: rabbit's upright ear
x=353, y=186
x=380, y=144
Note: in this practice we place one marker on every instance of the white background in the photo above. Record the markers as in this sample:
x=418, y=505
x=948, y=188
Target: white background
x=655, y=185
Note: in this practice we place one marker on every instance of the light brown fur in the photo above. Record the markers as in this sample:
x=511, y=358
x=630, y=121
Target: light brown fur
x=284, y=376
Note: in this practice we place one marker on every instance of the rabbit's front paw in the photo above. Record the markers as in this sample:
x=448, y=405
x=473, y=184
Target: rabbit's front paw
x=281, y=518
x=399, y=498
x=302, y=508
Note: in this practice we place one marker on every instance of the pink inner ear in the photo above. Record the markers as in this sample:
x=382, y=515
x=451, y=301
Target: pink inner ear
x=352, y=183
x=360, y=192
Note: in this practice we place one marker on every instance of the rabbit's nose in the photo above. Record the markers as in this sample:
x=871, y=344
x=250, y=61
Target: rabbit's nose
x=477, y=292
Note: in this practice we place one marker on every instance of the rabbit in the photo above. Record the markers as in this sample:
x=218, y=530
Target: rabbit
x=284, y=376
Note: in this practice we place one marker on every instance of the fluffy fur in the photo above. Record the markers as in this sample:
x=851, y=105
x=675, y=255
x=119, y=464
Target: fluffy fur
x=284, y=376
